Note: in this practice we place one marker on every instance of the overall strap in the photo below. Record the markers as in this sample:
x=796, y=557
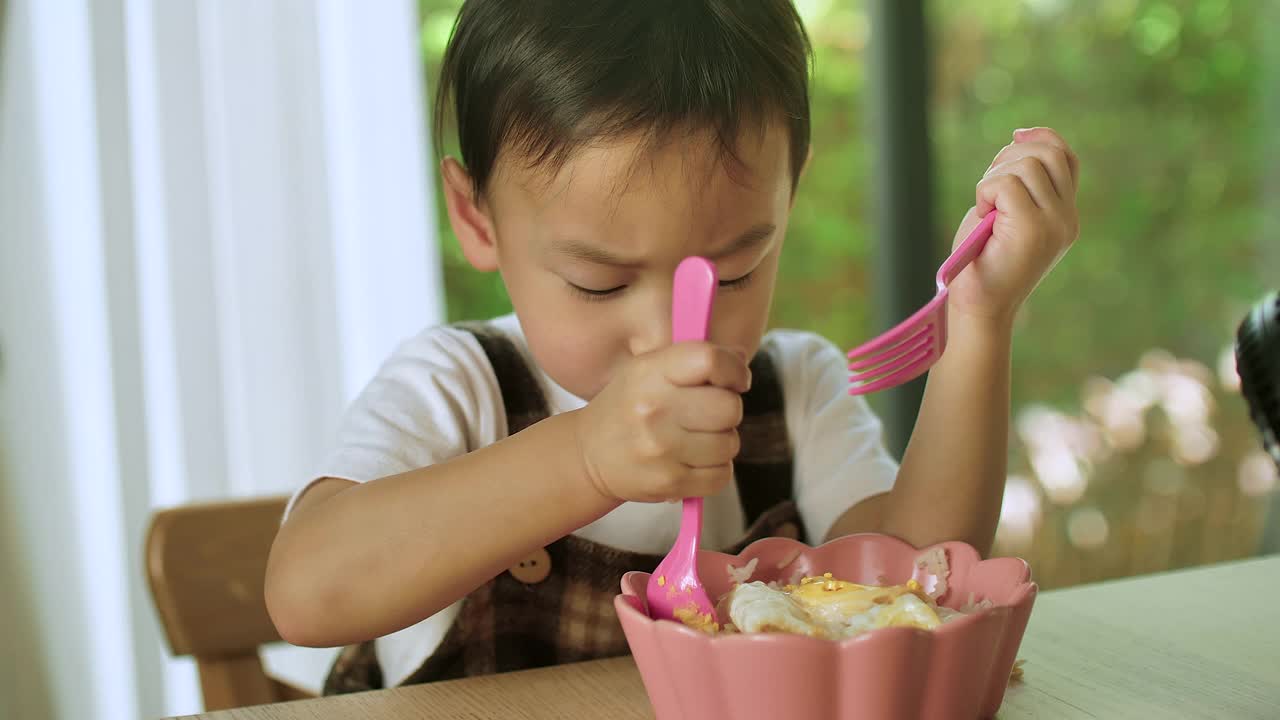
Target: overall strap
x=763, y=469
x=521, y=393
x=764, y=466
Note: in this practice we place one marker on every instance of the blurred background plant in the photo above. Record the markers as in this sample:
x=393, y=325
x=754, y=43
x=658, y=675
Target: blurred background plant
x=1132, y=451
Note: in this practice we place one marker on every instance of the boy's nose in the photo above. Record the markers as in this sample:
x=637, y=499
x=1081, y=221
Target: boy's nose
x=652, y=331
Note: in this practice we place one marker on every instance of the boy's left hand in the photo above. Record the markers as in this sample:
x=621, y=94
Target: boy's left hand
x=1032, y=186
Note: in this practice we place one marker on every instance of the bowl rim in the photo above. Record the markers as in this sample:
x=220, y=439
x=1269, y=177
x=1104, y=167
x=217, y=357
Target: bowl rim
x=630, y=602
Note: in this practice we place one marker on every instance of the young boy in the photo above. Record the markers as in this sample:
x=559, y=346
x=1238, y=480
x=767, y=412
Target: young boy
x=494, y=480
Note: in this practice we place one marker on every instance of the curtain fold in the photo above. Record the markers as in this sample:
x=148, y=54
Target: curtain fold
x=216, y=219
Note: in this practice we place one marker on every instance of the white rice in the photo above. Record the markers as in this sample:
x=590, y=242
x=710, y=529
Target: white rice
x=742, y=575
x=934, y=562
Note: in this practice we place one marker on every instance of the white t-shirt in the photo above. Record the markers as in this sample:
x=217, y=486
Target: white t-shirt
x=437, y=398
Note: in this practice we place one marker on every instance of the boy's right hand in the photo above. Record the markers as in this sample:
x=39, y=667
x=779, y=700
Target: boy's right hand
x=666, y=425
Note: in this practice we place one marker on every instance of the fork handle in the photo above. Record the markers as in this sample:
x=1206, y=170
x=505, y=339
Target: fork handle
x=968, y=250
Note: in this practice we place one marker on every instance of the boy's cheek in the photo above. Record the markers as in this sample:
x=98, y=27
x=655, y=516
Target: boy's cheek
x=740, y=318
x=567, y=350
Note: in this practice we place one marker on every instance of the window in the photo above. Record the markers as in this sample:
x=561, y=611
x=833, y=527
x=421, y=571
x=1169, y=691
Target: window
x=1132, y=451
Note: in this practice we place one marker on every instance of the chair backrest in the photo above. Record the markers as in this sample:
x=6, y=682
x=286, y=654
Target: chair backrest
x=206, y=564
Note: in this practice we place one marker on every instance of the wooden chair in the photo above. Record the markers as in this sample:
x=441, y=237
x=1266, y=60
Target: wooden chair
x=206, y=564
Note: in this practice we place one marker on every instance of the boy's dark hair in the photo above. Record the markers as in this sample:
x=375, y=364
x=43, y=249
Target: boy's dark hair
x=541, y=78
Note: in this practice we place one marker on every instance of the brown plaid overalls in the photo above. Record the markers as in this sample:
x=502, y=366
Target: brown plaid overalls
x=556, y=605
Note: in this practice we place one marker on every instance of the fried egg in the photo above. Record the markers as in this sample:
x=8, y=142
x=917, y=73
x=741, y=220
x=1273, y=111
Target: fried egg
x=824, y=607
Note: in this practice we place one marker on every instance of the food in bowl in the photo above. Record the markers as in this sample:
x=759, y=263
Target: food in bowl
x=960, y=669
x=693, y=616
x=824, y=607
x=827, y=607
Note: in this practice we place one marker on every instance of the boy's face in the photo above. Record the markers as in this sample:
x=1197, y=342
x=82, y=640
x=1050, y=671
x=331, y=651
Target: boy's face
x=588, y=255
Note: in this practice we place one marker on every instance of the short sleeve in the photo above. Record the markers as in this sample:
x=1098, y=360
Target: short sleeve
x=434, y=399
x=840, y=457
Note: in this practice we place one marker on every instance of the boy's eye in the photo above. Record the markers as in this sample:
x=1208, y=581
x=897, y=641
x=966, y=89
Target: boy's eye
x=592, y=294
x=589, y=294
x=738, y=283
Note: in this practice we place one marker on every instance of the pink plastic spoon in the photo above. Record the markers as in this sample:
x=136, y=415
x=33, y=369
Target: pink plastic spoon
x=675, y=585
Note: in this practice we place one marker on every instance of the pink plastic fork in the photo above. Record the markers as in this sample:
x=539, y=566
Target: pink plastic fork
x=910, y=349
x=675, y=584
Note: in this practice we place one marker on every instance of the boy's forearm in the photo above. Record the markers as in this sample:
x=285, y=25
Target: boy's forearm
x=952, y=478
x=382, y=555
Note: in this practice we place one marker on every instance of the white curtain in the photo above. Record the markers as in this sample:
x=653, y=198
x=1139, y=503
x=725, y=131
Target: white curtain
x=215, y=221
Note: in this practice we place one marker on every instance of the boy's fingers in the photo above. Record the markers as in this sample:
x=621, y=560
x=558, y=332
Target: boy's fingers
x=699, y=363
x=1052, y=157
x=701, y=482
x=1006, y=193
x=709, y=409
x=1040, y=134
x=710, y=449
x=1050, y=136
x=1035, y=177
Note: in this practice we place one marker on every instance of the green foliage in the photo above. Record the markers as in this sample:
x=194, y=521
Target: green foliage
x=1161, y=100
x=468, y=294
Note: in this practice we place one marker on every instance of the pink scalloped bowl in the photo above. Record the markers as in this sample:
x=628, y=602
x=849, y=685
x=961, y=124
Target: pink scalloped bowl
x=958, y=671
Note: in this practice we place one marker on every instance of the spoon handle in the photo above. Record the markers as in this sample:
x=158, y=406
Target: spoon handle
x=693, y=293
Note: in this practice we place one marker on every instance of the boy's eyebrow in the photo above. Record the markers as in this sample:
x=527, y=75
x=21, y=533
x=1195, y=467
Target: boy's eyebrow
x=747, y=240
x=586, y=252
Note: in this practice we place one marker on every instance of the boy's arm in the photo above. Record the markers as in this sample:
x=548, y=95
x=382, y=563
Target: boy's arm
x=953, y=473
x=358, y=561
x=361, y=560
x=951, y=482
x=952, y=479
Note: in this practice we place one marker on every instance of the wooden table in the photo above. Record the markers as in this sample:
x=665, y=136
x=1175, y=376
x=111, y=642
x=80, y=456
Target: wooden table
x=1201, y=643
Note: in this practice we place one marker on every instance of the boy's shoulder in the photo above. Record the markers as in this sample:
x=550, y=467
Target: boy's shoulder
x=461, y=355
x=456, y=341
x=443, y=358
x=811, y=370
x=788, y=348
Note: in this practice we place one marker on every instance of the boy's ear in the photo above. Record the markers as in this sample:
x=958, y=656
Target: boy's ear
x=470, y=222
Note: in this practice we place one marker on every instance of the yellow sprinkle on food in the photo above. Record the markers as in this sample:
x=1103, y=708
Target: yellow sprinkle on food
x=689, y=615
